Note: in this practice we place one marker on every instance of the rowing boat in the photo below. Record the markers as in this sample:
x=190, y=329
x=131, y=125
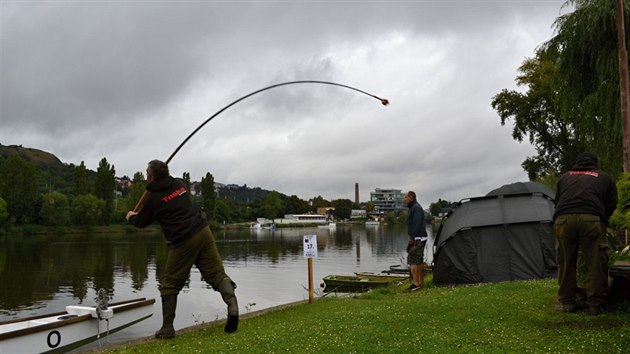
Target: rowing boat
x=77, y=326
x=357, y=283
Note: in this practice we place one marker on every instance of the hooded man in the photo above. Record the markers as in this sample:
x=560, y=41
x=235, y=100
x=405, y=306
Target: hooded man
x=190, y=242
x=585, y=198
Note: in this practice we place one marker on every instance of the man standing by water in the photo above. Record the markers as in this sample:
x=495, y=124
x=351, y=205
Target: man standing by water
x=586, y=197
x=417, y=231
x=190, y=242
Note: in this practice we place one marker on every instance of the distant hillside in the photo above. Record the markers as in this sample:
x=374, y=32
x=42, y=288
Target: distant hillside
x=52, y=174
x=41, y=159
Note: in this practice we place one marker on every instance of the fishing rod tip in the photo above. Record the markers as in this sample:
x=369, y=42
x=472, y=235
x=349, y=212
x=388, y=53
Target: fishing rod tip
x=384, y=101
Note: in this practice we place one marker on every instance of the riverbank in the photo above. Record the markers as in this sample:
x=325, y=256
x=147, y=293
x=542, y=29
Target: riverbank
x=505, y=317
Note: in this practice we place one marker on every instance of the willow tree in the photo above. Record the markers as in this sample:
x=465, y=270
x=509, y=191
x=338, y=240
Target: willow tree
x=586, y=43
x=572, y=99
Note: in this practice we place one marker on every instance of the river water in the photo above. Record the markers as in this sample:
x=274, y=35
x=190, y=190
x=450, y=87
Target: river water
x=43, y=274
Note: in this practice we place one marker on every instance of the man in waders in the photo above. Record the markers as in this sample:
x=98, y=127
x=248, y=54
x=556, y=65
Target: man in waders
x=190, y=242
x=586, y=197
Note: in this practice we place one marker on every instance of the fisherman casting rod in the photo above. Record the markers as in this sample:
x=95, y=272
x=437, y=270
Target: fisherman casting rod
x=384, y=102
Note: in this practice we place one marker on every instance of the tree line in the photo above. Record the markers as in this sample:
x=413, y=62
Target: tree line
x=83, y=198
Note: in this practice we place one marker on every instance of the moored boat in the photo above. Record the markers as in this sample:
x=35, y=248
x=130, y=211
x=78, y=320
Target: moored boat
x=330, y=225
x=383, y=275
x=397, y=269
x=357, y=283
x=77, y=326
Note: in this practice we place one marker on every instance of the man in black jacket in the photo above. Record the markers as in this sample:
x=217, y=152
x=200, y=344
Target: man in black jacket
x=586, y=197
x=190, y=242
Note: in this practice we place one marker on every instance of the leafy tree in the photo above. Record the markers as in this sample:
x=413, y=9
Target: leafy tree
x=537, y=114
x=343, y=208
x=186, y=178
x=87, y=210
x=55, y=209
x=440, y=206
x=138, y=185
x=369, y=206
x=223, y=211
x=272, y=206
x=18, y=188
x=104, y=187
x=209, y=196
x=4, y=213
x=295, y=205
x=621, y=217
x=396, y=217
x=81, y=181
x=319, y=202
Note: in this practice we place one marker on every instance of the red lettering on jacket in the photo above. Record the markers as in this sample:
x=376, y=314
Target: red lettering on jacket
x=175, y=194
x=589, y=173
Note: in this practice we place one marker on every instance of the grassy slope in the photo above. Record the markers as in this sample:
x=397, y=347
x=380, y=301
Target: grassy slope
x=514, y=317
x=38, y=157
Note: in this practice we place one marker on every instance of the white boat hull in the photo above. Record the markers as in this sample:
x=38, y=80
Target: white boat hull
x=65, y=331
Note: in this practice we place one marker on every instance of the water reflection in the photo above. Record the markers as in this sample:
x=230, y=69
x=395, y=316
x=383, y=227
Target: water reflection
x=41, y=274
x=33, y=269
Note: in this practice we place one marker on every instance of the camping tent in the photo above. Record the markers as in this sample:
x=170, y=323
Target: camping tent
x=505, y=235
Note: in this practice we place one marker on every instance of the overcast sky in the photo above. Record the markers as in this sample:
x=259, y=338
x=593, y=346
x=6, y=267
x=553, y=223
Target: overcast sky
x=130, y=80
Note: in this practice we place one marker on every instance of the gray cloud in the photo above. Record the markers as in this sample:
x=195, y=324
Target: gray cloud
x=130, y=80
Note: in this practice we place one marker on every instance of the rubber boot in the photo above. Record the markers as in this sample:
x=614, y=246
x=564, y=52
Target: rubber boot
x=169, y=304
x=226, y=288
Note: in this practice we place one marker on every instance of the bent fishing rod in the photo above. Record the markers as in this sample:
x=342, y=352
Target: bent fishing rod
x=383, y=101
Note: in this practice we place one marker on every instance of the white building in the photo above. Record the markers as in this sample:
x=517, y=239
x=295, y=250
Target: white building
x=386, y=200
x=303, y=219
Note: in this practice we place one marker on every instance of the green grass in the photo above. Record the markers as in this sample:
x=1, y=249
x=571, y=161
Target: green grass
x=512, y=317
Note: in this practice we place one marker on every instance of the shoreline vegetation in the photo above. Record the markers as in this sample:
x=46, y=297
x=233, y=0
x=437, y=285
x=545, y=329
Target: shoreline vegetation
x=518, y=316
x=35, y=229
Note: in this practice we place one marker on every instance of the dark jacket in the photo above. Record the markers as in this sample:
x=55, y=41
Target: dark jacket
x=415, y=222
x=170, y=205
x=586, y=190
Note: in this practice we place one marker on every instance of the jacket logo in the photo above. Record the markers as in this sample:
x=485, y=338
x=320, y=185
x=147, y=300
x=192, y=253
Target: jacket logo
x=589, y=173
x=175, y=194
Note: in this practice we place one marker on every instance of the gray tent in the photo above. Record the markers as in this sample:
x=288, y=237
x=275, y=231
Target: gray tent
x=505, y=235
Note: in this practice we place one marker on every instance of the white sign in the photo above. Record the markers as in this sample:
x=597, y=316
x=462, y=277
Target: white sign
x=310, y=246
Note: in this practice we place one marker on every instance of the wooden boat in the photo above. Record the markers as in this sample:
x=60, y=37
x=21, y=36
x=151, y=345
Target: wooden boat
x=397, y=269
x=383, y=275
x=356, y=283
x=77, y=326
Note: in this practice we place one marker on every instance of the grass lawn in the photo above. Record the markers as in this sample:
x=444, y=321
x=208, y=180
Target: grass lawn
x=511, y=317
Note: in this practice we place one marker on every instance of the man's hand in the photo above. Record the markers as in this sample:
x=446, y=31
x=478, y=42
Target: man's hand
x=410, y=244
x=130, y=214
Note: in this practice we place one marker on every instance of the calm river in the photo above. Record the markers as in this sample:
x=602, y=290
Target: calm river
x=42, y=274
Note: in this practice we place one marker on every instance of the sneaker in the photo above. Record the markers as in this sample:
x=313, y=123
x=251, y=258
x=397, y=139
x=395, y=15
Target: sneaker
x=568, y=308
x=414, y=287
